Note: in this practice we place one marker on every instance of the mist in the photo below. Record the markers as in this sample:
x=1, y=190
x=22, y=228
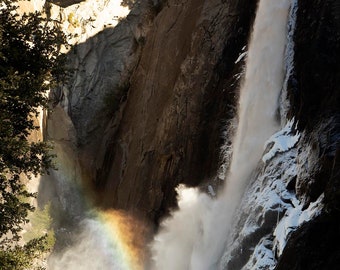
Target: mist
x=92, y=250
x=195, y=235
x=105, y=240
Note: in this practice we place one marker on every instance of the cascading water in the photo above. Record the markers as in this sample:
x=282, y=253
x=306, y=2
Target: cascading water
x=195, y=235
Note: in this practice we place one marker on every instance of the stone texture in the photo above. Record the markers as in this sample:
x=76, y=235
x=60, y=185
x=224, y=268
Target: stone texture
x=317, y=154
x=315, y=84
x=65, y=3
x=172, y=120
x=314, y=95
x=314, y=246
x=149, y=99
x=105, y=54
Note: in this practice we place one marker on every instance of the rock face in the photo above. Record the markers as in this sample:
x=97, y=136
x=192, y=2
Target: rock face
x=102, y=66
x=315, y=90
x=315, y=84
x=106, y=51
x=148, y=103
x=104, y=54
x=65, y=3
x=290, y=213
x=314, y=245
x=172, y=119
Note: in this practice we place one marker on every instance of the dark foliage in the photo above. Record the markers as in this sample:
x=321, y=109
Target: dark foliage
x=30, y=62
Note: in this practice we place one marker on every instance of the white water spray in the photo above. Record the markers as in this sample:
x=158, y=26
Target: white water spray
x=195, y=235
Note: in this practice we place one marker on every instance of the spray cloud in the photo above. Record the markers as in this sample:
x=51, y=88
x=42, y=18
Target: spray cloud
x=106, y=240
x=195, y=235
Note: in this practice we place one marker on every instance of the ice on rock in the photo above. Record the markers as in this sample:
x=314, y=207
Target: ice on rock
x=281, y=141
x=294, y=218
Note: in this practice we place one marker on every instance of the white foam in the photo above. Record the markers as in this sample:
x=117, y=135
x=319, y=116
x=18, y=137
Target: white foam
x=195, y=236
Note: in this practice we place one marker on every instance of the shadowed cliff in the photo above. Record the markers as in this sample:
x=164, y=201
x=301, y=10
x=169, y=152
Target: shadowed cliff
x=177, y=102
x=315, y=97
x=65, y=3
x=148, y=104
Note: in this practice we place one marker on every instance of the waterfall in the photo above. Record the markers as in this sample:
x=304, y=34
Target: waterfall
x=195, y=235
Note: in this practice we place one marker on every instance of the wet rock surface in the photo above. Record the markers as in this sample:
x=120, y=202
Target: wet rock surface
x=315, y=84
x=174, y=114
x=149, y=101
x=314, y=246
x=313, y=162
x=316, y=104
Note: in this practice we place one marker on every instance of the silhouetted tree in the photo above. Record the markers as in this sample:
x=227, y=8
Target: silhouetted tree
x=30, y=62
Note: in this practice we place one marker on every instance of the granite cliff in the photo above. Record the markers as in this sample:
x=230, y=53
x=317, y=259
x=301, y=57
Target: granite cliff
x=178, y=98
x=163, y=83
x=152, y=101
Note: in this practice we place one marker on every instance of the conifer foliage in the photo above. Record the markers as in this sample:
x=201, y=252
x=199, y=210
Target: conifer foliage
x=30, y=62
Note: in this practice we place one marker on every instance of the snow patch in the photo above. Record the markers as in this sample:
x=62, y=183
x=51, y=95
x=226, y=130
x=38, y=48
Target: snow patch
x=294, y=218
x=263, y=257
x=281, y=141
x=211, y=191
x=241, y=56
x=267, y=198
x=249, y=228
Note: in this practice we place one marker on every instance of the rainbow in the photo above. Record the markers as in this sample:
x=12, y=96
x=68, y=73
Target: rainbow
x=127, y=237
x=109, y=240
x=105, y=239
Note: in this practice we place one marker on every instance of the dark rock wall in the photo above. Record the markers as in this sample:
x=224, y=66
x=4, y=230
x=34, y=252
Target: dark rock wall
x=171, y=104
x=177, y=104
x=314, y=92
x=316, y=86
x=314, y=246
x=101, y=67
x=65, y=3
